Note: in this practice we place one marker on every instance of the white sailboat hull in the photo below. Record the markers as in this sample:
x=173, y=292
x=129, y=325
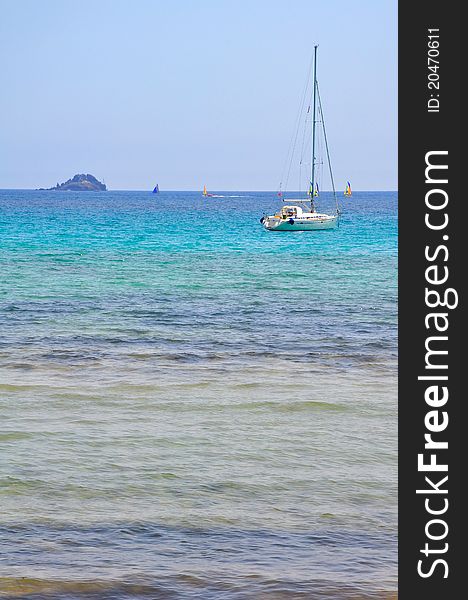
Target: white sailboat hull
x=315, y=222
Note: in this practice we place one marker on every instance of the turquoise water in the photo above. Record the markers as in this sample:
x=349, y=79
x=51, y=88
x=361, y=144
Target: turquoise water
x=194, y=407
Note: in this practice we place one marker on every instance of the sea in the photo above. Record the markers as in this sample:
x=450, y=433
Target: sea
x=192, y=406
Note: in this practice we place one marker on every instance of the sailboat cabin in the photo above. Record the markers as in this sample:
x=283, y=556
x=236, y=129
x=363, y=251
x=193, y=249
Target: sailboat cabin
x=287, y=212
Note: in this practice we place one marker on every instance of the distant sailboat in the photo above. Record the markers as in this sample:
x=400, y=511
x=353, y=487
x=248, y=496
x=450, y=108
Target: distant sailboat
x=348, y=191
x=205, y=193
x=156, y=189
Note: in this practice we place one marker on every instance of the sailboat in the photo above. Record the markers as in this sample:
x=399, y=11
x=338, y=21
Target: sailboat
x=205, y=193
x=304, y=217
x=348, y=191
x=156, y=189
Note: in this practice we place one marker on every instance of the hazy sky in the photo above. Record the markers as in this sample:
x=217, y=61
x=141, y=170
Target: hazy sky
x=188, y=92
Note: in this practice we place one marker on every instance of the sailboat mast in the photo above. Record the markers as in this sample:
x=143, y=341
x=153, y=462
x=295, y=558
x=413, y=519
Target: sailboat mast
x=312, y=181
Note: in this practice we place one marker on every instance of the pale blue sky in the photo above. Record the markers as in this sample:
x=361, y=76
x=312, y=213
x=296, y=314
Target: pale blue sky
x=187, y=92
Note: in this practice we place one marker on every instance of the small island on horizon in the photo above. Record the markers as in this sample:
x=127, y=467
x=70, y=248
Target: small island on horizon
x=80, y=183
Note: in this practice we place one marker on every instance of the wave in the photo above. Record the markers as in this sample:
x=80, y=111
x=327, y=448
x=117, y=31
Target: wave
x=186, y=587
x=72, y=562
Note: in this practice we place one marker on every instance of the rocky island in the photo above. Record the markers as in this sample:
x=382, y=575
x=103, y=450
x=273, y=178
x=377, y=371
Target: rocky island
x=81, y=183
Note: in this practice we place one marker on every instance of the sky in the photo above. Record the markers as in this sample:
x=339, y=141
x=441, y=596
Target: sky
x=191, y=92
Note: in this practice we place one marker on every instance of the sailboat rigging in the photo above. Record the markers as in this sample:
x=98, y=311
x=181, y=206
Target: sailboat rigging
x=292, y=217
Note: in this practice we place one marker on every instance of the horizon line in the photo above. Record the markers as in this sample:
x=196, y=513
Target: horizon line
x=149, y=190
